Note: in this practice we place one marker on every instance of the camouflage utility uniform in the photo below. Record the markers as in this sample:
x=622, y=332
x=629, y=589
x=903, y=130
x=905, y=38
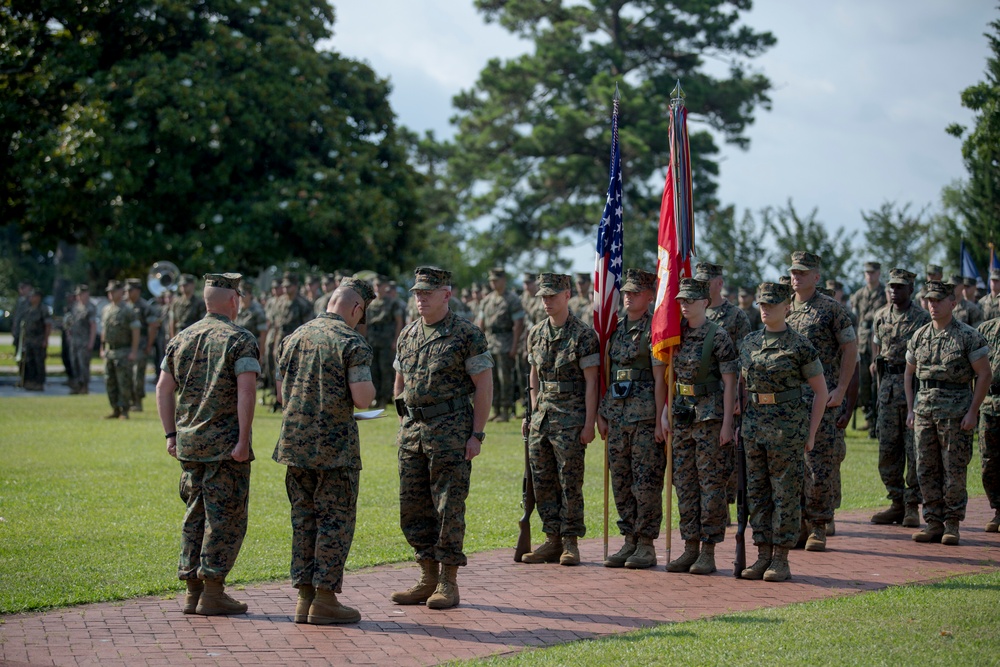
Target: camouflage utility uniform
x=35, y=322
x=700, y=463
x=827, y=325
x=892, y=330
x=185, y=311
x=866, y=302
x=498, y=314
x=117, y=323
x=968, y=312
x=637, y=461
x=78, y=324
x=205, y=360
x=943, y=368
x=381, y=317
x=989, y=422
x=559, y=355
x=253, y=319
x=775, y=430
x=437, y=363
x=148, y=313
x=319, y=444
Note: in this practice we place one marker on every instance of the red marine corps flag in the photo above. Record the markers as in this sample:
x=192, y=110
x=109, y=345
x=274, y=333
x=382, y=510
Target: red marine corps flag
x=675, y=245
x=675, y=240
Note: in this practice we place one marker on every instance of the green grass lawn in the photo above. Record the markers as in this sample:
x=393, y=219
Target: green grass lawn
x=953, y=622
x=89, y=509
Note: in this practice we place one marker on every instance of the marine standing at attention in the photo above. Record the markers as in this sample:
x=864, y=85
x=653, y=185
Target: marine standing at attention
x=705, y=368
x=444, y=389
x=777, y=428
x=565, y=356
x=945, y=356
x=628, y=421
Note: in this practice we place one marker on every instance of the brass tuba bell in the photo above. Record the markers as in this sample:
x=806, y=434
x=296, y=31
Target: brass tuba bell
x=162, y=277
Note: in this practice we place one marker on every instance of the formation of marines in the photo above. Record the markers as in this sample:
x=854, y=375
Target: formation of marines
x=786, y=372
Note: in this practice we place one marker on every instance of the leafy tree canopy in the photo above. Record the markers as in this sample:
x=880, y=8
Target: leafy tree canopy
x=211, y=133
x=534, y=132
x=972, y=208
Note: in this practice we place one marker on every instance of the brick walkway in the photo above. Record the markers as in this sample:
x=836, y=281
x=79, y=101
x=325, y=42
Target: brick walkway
x=505, y=606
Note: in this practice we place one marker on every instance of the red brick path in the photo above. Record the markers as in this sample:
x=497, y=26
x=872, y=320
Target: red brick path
x=505, y=606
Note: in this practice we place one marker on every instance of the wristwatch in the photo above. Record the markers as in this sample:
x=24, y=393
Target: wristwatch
x=480, y=436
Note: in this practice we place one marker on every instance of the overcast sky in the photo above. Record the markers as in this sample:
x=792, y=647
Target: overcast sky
x=863, y=90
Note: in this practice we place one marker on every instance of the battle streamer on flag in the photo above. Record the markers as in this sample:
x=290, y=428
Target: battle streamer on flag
x=608, y=265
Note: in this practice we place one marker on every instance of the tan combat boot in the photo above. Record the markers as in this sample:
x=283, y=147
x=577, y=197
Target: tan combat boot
x=779, y=570
x=951, y=535
x=421, y=590
x=893, y=514
x=194, y=591
x=994, y=524
x=644, y=555
x=571, y=552
x=327, y=610
x=618, y=559
x=706, y=560
x=684, y=562
x=757, y=570
x=124, y=414
x=214, y=601
x=932, y=532
x=817, y=538
x=549, y=551
x=911, y=519
x=306, y=595
x=446, y=594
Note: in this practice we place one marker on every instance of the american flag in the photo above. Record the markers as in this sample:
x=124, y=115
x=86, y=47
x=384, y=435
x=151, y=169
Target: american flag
x=608, y=267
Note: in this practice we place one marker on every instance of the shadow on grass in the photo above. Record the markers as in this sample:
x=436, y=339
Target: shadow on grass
x=746, y=620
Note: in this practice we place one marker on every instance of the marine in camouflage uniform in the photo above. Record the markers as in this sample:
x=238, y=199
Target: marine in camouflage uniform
x=990, y=304
x=212, y=366
x=251, y=316
x=81, y=327
x=385, y=321
x=866, y=302
x=944, y=356
x=752, y=312
x=736, y=323
x=324, y=372
x=266, y=361
x=149, y=323
x=628, y=418
x=892, y=328
x=965, y=311
x=705, y=368
x=989, y=424
x=775, y=362
x=502, y=320
x=186, y=308
x=582, y=303
x=36, y=325
x=291, y=310
x=828, y=327
x=119, y=347
x=565, y=356
x=443, y=393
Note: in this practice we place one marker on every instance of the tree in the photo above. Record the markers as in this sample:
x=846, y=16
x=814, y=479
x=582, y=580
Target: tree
x=897, y=238
x=212, y=133
x=976, y=202
x=791, y=231
x=736, y=244
x=534, y=132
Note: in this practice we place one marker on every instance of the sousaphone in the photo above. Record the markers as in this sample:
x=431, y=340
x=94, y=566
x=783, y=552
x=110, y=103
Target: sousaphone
x=162, y=277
